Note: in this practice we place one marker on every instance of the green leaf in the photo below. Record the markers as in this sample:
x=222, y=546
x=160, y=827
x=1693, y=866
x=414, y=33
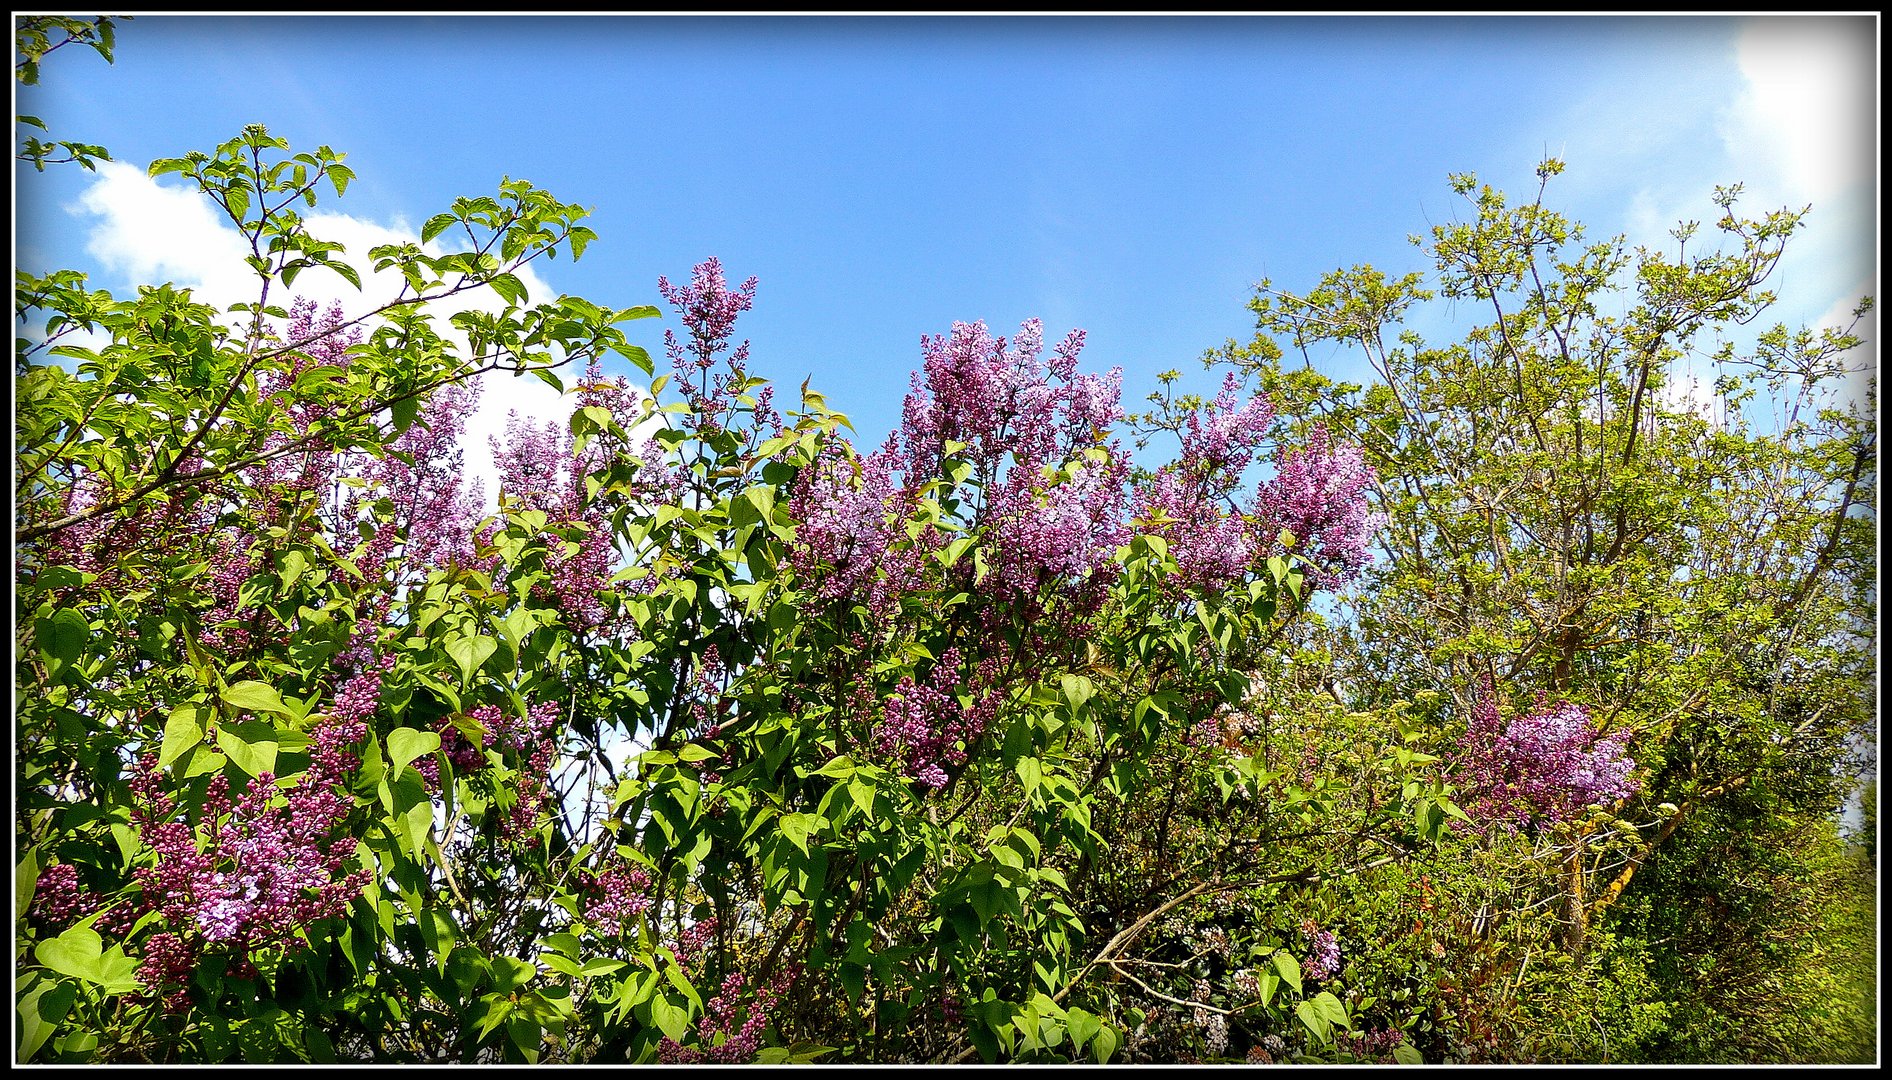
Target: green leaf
x=1082, y=1026
x=63, y=636
x=42, y=1010
x=253, y=696
x=954, y=551
x=1290, y=969
x=406, y=744
x=414, y=815
x=840, y=768
x=1077, y=690
x=1104, y=1045
x=434, y=226
x=182, y=731
x=795, y=827
x=1406, y=1054
x=293, y=565
x=1312, y=1019
x=25, y=878
x=469, y=653
x=404, y=411
x=1030, y=773
x=1331, y=1008
x=672, y=1020
x=78, y=952
x=1267, y=983
x=249, y=746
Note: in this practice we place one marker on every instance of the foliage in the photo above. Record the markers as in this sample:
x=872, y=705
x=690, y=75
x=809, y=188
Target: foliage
x=722, y=740
x=35, y=36
x=719, y=741
x=1693, y=589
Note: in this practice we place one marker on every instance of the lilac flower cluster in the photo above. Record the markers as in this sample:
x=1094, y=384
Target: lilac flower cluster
x=1319, y=495
x=532, y=734
x=465, y=758
x=254, y=870
x=1188, y=503
x=694, y=939
x=849, y=510
x=708, y=309
x=433, y=512
x=730, y=1029
x=1376, y=1043
x=1020, y=418
x=923, y=727
x=616, y=896
x=1323, y=960
x=1267, y=1050
x=322, y=343
x=231, y=566
x=541, y=468
x=59, y=898
x=706, y=704
x=1042, y=479
x=1548, y=764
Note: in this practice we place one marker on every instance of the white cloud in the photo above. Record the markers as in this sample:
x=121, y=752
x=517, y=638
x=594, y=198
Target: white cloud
x=146, y=232
x=150, y=233
x=1805, y=119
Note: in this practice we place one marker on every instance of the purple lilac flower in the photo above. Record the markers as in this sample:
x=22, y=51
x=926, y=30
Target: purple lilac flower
x=1323, y=961
x=1320, y=495
x=708, y=309
x=689, y=946
x=1187, y=502
x=730, y=1030
x=256, y=869
x=923, y=727
x=542, y=468
x=616, y=896
x=1546, y=764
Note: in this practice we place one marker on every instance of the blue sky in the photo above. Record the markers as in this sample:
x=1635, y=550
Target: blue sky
x=885, y=177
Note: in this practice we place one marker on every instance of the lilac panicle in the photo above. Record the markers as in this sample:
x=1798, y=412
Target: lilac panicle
x=1548, y=764
x=1320, y=495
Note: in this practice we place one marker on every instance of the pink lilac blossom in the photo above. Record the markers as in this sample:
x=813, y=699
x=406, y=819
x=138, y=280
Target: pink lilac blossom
x=1187, y=503
x=59, y=898
x=1548, y=764
x=255, y=869
x=1045, y=488
x=689, y=946
x=541, y=468
x=849, y=511
x=1323, y=960
x=1376, y=1043
x=534, y=734
x=733, y=1022
x=615, y=897
x=414, y=512
x=709, y=310
x=321, y=342
x=1320, y=495
x=706, y=704
x=464, y=757
x=923, y=727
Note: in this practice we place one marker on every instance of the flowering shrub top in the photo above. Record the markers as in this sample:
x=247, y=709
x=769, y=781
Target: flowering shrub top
x=716, y=733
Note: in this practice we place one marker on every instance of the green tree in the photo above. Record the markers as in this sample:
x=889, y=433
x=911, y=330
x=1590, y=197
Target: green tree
x=1561, y=522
